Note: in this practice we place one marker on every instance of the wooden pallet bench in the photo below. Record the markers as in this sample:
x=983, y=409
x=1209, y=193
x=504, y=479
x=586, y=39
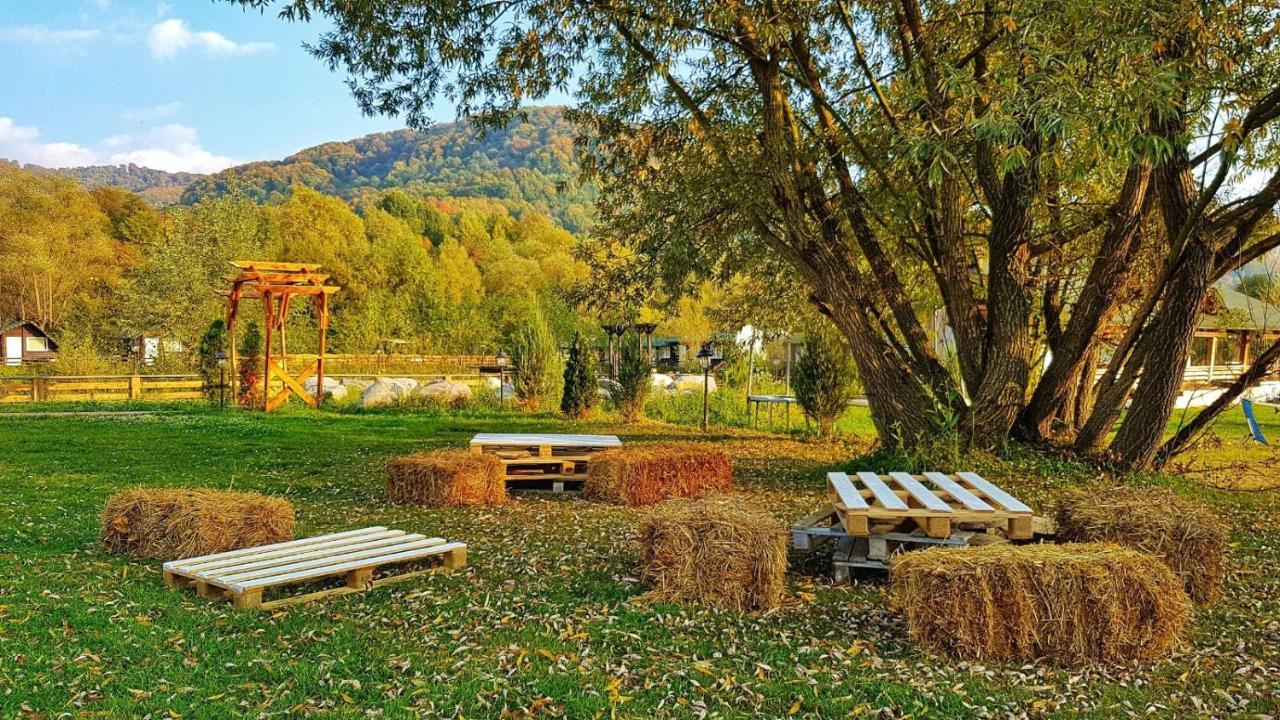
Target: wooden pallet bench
x=243, y=576
x=935, y=502
x=553, y=458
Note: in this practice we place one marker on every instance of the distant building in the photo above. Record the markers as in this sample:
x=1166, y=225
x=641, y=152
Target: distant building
x=24, y=342
x=147, y=350
x=669, y=352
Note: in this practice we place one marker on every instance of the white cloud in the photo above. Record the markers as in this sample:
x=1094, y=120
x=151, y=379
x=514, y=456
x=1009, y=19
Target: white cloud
x=23, y=144
x=41, y=35
x=172, y=36
x=155, y=112
x=172, y=147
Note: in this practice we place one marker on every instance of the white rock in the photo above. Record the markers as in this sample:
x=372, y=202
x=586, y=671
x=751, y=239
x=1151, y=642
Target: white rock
x=661, y=381
x=446, y=391
x=378, y=394
x=403, y=385
x=692, y=383
x=333, y=388
x=493, y=383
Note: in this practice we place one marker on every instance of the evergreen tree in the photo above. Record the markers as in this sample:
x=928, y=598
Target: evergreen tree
x=634, y=381
x=537, y=362
x=212, y=342
x=824, y=376
x=580, y=384
x=250, y=365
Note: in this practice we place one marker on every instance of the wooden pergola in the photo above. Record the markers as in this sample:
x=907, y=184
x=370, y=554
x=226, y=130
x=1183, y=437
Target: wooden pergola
x=275, y=284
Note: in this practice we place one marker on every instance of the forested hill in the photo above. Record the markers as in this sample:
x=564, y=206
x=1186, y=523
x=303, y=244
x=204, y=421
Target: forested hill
x=529, y=165
x=158, y=186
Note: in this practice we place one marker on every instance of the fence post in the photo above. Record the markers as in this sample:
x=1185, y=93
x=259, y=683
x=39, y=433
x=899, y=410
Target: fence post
x=135, y=387
x=39, y=389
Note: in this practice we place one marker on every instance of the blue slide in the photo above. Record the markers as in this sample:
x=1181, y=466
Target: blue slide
x=1247, y=405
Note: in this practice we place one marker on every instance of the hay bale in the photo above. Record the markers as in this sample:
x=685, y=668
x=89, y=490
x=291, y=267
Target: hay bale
x=1073, y=603
x=1187, y=536
x=716, y=551
x=446, y=478
x=171, y=524
x=650, y=474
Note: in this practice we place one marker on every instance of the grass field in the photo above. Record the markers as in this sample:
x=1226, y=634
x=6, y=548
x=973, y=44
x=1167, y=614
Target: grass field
x=540, y=623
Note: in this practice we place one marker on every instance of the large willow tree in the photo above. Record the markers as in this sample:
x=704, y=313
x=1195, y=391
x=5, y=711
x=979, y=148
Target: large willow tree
x=1064, y=175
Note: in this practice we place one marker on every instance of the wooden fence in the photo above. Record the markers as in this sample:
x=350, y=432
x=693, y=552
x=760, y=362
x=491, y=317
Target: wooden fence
x=387, y=360
x=100, y=387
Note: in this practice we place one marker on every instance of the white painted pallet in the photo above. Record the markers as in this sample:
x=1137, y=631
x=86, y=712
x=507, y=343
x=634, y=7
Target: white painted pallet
x=541, y=458
x=244, y=575
x=933, y=501
x=537, y=440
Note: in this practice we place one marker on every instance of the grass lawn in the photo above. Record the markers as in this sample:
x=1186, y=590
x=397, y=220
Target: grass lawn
x=540, y=623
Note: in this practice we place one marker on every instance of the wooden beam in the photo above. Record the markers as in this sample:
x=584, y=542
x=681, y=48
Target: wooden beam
x=273, y=265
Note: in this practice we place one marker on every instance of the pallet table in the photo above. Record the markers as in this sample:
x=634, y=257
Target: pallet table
x=935, y=502
x=554, y=458
x=243, y=576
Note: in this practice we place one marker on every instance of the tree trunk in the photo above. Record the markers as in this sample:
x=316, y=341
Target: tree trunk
x=1097, y=300
x=1165, y=346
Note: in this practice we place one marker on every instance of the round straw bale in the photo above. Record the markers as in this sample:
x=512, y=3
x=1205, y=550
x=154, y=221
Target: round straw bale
x=446, y=478
x=1190, y=538
x=1074, y=604
x=649, y=474
x=716, y=551
x=170, y=523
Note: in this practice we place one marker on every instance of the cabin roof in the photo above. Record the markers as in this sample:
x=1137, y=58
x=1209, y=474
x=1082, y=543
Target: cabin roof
x=1227, y=309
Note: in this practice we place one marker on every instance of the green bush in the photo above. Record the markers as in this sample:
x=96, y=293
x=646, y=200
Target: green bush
x=825, y=376
x=634, y=381
x=249, y=365
x=537, y=374
x=212, y=342
x=580, y=383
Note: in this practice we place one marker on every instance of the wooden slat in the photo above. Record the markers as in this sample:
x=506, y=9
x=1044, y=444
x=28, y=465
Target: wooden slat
x=271, y=265
x=530, y=440
x=171, y=384
x=320, y=558
x=966, y=498
x=177, y=564
x=59, y=386
x=920, y=492
x=325, y=571
x=1006, y=500
x=886, y=497
x=844, y=489
x=225, y=565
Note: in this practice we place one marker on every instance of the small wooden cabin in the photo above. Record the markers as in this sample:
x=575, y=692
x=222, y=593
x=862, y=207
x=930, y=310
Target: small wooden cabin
x=22, y=341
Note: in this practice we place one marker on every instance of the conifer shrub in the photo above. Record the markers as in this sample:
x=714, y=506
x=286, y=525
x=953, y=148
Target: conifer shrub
x=580, y=383
x=825, y=376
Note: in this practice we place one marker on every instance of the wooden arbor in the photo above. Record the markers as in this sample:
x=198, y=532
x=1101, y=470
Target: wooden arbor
x=275, y=284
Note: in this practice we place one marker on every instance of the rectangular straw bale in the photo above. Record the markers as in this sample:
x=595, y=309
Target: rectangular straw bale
x=713, y=551
x=447, y=478
x=172, y=523
x=1073, y=604
x=649, y=474
x=1189, y=537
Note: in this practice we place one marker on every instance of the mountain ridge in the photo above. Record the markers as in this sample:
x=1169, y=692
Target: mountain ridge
x=528, y=165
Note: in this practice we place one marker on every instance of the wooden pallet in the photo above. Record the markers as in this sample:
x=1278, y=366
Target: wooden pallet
x=537, y=460
x=932, y=501
x=243, y=576
x=866, y=553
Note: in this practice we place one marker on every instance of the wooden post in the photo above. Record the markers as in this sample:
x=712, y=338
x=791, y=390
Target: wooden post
x=322, y=304
x=1213, y=355
x=268, y=312
x=135, y=387
x=39, y=389
x=1244, y=349
x=233, y=307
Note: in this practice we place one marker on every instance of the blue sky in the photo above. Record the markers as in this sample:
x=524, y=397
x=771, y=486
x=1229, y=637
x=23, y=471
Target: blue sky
x=181, y=85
